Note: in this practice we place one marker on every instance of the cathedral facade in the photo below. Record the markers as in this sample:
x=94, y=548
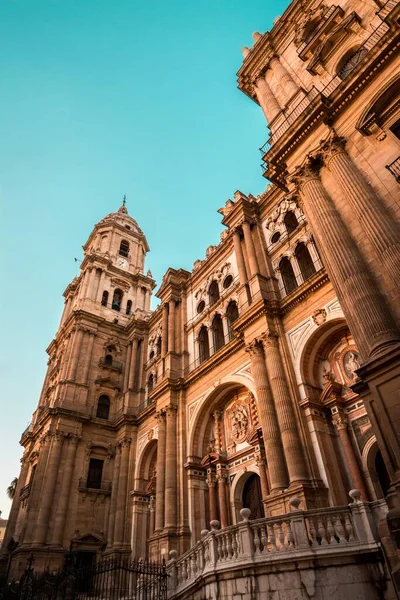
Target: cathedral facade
x=268, y=377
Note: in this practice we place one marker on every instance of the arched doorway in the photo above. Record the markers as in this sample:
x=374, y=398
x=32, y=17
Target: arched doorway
x=252, y=498
x=377, y=471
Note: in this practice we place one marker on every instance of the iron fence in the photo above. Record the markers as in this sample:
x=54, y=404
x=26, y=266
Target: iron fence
x=109, y=579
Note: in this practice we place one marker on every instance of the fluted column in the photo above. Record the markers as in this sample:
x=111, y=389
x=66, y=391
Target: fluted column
x=171, y=326
x=292, y=446
x=251, y=252
x=87, y=357
x=76, y=351
x=114, y=495
x=268, y=418
x=100, y=288
x=261, y=463
x=341, y=424
x=171, y=483
x=266, y=99
x=290, y=88
x=47, y=491
x=164, y=339
x=223, y=507
x=13, y=516
x=375, y=221
x=364, y=306
x=212, y=496
x=127, y=366
x=133, y=361
x=160, y=481
x=65, y=490
x=237, y=244
x=120, y=512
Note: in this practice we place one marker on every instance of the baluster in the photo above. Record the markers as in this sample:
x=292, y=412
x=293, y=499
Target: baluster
x=188, y=568
x=184, y=572
x=312, y=531
x=281, y=536
x=321, y=531
x=264, y=540
x=194, y=563
x=256, y=540
x=234, y=545
x=349, y=528
x=290, y=535
x=330, y=529
x=229, y=545
x=272, y=538
x=206, y=552
x=224, y=545
x=339, y=529
x=219, y=548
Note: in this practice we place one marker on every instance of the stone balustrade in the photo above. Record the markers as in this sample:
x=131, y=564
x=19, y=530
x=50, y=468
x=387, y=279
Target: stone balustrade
x=295, y=536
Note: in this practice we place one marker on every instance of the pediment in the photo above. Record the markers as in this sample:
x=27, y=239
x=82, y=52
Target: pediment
x=107, y=382
x=89, y=539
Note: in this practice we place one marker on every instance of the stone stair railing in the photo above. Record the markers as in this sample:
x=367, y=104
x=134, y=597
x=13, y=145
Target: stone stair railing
x=293, y=535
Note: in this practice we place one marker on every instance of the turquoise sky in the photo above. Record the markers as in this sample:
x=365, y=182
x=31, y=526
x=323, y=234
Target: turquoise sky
x=101, y=98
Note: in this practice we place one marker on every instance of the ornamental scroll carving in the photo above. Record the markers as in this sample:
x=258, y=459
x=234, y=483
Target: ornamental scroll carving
x=239, y=422
x=216, y=275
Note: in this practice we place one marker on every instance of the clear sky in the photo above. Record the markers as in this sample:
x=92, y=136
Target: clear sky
x=101, y=98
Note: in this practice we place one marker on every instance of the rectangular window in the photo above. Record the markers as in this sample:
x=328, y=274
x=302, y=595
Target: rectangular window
x=95, y=473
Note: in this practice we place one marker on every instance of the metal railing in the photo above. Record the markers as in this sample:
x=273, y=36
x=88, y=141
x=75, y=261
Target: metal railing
x=208, y=352
x=114, y=364
x=25, y=491
x=212, y=307
x=394, y=169
x=290, y=284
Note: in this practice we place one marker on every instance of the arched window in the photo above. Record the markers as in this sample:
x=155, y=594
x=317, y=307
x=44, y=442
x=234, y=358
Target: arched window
x=218, y=332
x=204, y=348
x=108, y=359
x=201, y=306
x=291, y=222
x=275, y=237
x=232, y=314
x=304, y=259
x=124, y=248
x=103, y=407
x=159, y=346
x=227, y=282
x=288, y=276
x=104, y=298
x=150, y=384
x=213, y=293
x=129, y=307
x=117, y=299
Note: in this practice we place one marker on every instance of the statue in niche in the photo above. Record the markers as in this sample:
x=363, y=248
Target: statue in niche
x=351, y=363
x=239, y=422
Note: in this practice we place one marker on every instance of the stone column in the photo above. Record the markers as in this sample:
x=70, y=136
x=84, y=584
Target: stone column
x=127, y=366
x=314, y=253
x=375, y=221
x=88, y=357
x=251, y=252
x=164, y=339
x=171, y=326
x=223, y=507
x=268, y=418
x=90, y=287
x=212, y=496
x=114, y=494
x=290, y=88
x=227, y=330
x=100, y=288
x=132, y=368
x=260, y=461
x=292, y=446
x=219, y=446
x=152, y=515
x=47, y=491
x=75, y=354
x=160, y=481
x=13, y=516
x=266, y=99
x=171, y=471
x=210, y=334
x=341, y=424
x=237, y=244
x=65, y=490
x=353, y=284
x=120, y=512
x=66, y=358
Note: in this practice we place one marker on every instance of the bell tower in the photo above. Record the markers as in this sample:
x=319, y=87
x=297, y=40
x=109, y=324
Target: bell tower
x=80, y=443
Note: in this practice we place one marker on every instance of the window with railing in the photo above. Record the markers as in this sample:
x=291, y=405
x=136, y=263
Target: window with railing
x=95, y=473
x=103, y=407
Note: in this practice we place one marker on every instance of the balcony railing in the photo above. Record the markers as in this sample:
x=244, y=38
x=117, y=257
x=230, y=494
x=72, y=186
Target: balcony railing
x=212, y=307
x=394, y=169
x=25, y=491
x=209, y=353
x=87, y=486
x=114, y=364
x=304, y=534
x=289, y=284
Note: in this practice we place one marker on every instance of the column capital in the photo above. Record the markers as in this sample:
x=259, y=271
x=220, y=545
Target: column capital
x=160, y=415
x=329, y=148
x=211, y=480
x=221, y=477
x=171, y=410
x=340, y=421
x=270, y=338
x=308, y=171
x=255, y=347
x=124, y=443
x=217, y=414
